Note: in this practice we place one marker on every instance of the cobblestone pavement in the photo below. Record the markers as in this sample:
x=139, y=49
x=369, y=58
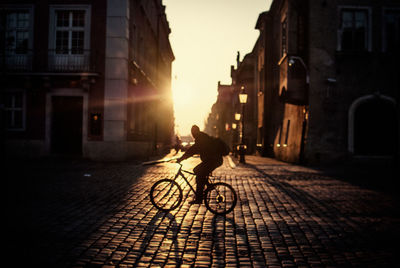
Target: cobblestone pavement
x=85, y=214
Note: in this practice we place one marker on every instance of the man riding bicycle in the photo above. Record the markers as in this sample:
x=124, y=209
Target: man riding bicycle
x=210, y=156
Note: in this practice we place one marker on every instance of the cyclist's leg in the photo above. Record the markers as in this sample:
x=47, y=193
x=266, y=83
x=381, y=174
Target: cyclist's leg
x=212, y=165
x=201, y=172
x=201, y=181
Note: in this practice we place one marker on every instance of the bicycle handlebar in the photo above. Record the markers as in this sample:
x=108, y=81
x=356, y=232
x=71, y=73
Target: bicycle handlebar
x=160, y=161
x=167, y=160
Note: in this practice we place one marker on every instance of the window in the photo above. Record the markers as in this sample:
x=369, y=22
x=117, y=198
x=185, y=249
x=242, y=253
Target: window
x=16, y=25
x=287, y=133
x=392, y=31
x=70, y=31
x=14, y=107
x=354, y=30
x=16, y=37
x=280, y=135
x=301, y=34
x=260, y=138
x=284, y=37
x=69, y=38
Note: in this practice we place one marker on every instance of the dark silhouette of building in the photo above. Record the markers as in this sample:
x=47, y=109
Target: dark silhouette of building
x=327, y=80
x=243, y=81
x=219, y=121
x=91, y=78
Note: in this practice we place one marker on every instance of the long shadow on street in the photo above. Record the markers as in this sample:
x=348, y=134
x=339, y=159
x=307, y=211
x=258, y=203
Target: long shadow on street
x=53, y=205
x=370, y=234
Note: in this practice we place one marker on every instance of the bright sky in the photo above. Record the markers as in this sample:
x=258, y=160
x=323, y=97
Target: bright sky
x=205, y=37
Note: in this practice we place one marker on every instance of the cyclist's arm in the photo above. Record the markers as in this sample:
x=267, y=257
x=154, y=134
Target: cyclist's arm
x=190, y=152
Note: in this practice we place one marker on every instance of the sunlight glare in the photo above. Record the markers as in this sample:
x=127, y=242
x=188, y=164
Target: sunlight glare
x=183, y=95
x=205, y=49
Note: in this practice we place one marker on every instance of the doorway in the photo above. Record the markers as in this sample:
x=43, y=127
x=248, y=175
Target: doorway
x=375, y=128
x=66, y=124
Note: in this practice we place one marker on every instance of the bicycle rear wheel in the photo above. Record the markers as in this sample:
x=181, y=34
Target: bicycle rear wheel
x=166, y=195
x=220, y=198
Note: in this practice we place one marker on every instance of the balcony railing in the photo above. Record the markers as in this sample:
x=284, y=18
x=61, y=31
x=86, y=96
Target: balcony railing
x=16, y=60
x=57, y=61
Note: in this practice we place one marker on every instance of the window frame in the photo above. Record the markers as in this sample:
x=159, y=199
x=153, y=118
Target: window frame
x=384, y=32
x=12, y=109
x=30, y=9
x=53, y=25
x=368, y=40
x=284, y=41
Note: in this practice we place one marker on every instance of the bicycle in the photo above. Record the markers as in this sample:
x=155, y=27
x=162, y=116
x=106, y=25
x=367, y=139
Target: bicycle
x=166, y=194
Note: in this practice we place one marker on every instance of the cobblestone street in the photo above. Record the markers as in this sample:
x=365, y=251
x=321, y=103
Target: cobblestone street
x=79, y=214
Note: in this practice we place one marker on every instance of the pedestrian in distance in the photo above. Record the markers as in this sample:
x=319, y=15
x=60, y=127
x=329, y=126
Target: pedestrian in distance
x=178, y=144
x=211, y=151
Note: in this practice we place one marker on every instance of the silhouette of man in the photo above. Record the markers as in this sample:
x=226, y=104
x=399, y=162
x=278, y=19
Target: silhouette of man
x=210, y=157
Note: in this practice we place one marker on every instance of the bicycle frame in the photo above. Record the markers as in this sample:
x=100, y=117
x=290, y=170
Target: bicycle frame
x=180, y=173
x=214, y=195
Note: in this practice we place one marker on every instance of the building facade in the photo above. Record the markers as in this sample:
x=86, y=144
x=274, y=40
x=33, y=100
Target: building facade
x=222, y=121
x=243, y=78
x=219, y=121
x=327, y=80
x=88, y=78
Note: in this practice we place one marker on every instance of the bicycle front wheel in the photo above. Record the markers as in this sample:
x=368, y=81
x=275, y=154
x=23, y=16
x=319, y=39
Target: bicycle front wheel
x=220, y=198
x=166, y=195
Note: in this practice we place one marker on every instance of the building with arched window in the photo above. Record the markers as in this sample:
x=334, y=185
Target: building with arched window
x=328, y=80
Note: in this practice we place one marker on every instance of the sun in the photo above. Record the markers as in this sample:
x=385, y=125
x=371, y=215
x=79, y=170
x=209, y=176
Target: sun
x=186, y=106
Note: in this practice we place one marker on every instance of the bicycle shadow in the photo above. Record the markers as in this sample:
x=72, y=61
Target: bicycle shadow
x=241, y=251
x=152, y=228
x=220, y=245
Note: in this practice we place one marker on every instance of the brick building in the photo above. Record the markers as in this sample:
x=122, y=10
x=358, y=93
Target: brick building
x=85, y=77
x=327, y=80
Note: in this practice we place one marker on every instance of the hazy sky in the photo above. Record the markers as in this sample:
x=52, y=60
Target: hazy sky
x=205, y=37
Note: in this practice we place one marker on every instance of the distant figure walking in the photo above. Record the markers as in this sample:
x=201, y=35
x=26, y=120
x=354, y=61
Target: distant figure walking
x=178, y=144
x=210, y=156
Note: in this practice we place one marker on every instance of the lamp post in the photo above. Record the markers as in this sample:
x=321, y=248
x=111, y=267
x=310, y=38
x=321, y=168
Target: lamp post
x=237, y=133
x=242, y=146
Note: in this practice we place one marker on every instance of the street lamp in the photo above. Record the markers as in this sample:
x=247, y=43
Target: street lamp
x=236, y=133
x=243, y=97
x=292, y=60
x=242, y=146
x=237, y=116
